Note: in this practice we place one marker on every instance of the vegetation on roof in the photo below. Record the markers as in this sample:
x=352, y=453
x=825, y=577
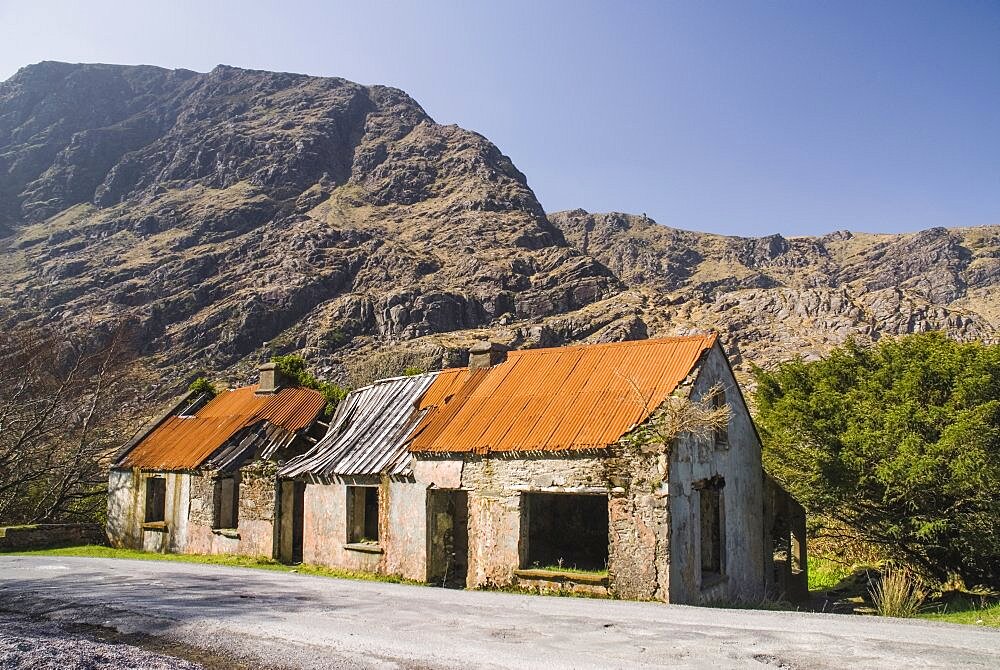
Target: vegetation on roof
x=202, y=386
x=294, y=367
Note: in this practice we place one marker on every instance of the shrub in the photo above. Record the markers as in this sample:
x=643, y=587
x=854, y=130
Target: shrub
x=201, y=385
x=896, y=445
x=294, y=367
x=897, y=594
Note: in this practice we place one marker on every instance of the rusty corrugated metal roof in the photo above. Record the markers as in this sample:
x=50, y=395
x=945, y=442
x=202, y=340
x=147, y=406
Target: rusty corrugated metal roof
x=368, y=432
x=186, y=442
x=578, y=397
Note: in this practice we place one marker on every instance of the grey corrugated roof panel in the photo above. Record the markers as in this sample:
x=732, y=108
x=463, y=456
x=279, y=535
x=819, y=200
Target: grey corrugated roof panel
x=368, y=432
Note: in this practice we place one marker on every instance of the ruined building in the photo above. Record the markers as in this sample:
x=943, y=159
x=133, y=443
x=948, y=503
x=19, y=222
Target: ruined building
x=533, y=447
x=351, y=501
x=201, y=479
x=524, y=469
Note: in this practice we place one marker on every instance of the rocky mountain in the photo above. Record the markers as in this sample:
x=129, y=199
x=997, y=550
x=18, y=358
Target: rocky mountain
x=775, y=297
x=216, y=212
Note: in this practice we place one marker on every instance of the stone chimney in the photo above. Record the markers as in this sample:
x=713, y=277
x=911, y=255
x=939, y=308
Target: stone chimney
x=486, y=354
x=271, y=379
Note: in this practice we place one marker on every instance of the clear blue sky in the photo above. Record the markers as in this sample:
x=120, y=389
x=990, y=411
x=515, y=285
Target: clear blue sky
x=737, y=117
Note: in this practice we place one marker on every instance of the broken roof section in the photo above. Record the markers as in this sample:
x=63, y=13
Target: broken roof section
x=567, y=398
x=227, y=427
x=368, y=432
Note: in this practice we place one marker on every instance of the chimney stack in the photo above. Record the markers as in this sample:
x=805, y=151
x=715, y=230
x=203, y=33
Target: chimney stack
x=486, y=354
x=271, y=379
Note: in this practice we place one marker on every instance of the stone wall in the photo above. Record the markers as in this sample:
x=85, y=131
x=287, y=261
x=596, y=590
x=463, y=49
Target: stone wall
x=637, y=537
x=255, y=531
x=49, y=535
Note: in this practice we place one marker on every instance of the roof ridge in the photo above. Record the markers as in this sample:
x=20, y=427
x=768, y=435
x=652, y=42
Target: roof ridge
x=714, y=335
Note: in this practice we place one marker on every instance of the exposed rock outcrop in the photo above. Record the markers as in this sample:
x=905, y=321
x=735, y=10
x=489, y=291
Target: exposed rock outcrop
x=219, y=211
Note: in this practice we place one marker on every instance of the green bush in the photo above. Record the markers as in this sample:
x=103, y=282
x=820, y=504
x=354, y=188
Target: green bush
x=899, y=444
x=294, y=367
x=202, y=385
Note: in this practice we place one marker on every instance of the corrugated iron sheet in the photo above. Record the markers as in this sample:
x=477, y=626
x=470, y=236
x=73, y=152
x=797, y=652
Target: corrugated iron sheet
x=368, y=432
x=579, y=397
x=186, y=442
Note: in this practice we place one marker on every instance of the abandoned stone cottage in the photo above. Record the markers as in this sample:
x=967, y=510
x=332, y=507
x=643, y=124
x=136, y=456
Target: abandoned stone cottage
x=517, y=470
x=201, y=478
x=351, y=501
x=529, y=451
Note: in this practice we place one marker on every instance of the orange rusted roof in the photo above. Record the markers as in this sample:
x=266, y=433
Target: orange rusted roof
x=184, y=443
x=579, y=397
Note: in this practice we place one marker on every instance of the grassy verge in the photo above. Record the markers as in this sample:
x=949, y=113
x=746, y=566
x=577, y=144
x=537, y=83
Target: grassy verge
x=850, y=582
x=966, y=612
x=256, y=562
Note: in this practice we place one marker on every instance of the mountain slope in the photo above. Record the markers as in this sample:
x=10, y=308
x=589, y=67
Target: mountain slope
x=217, y=211
x=776, y=297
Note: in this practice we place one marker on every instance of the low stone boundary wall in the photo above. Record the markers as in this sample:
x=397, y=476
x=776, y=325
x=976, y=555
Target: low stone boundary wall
x=49, y=535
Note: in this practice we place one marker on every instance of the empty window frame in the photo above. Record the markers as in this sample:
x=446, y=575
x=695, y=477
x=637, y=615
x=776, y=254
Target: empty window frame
x=722, y=432
x=362, y=513
x=713, y=532
x=156, y=499
x=227, y=502
x=565, y=531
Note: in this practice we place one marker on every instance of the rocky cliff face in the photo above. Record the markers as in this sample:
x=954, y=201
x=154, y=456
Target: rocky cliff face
x=218, y=211
x=775, y=297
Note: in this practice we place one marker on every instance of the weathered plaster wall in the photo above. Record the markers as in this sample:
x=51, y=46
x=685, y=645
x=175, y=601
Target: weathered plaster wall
x=124, y=514
x=740, y=464
x=402, y=528
x=405, y=530
x=190, y=513
x=127, y=508
x=324, y=530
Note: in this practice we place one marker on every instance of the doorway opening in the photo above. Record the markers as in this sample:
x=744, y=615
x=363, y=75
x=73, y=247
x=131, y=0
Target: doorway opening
x=448, y=533
x=292, y=506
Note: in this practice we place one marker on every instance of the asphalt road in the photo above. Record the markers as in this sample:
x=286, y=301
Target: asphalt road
x=271, y=619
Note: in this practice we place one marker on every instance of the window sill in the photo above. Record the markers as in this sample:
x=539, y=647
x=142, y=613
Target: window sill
x=160, y=526
x=708, y=581
x=227, y=532
x=365, y=547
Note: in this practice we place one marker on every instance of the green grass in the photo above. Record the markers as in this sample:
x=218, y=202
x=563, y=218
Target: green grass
x=256, y=562
x=967, y=612
x=578, y=571
x=825, y=574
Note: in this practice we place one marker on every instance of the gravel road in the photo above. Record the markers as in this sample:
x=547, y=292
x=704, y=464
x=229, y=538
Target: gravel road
x=27, y=643
x=260, y=619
